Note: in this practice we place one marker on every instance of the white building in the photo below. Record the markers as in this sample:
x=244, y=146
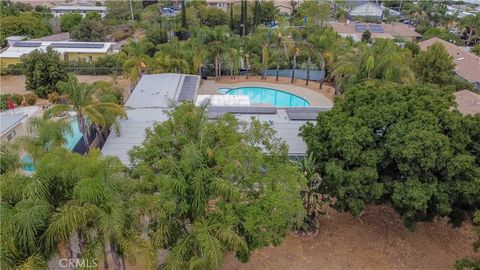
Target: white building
x=372, y=10
x=58, y=11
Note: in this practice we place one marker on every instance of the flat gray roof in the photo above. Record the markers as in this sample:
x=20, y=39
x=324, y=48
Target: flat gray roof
x=132, y=132
x=286, y=129
x=9, y=121
x=160, y=90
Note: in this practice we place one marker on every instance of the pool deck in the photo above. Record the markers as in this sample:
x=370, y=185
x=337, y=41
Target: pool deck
x=210, y=87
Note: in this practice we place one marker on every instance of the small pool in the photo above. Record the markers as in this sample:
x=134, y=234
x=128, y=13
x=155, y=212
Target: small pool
x=270, y=96
x=70, y=141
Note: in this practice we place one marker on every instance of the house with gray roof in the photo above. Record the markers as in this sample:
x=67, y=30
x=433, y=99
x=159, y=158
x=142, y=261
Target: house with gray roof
x=155, y=94
x=11, y=126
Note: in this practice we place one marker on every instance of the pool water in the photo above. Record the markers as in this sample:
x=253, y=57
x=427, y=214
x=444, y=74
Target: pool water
x=271, y=96
x=70, y=141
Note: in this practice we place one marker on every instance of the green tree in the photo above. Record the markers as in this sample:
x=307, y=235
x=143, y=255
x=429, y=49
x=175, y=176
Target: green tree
x=44, y=134
x=203, y=188
x=390, y=143
x=476, y=50
x=41, y=212
x=69, y=21
x=42, y=70
x=9, y=159
x=80, y=99
x=471, y=25
x=384, y=60
x=434, y=65
x=23, y=24
x=89, y=30
x=120, y=10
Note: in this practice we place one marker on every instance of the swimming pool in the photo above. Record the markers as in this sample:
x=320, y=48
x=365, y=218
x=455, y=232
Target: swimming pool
x=271, y=96
x=70, y=141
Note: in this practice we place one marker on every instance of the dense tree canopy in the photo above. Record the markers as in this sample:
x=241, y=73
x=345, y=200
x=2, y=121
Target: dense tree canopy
x=434, y=65
x=69, y=20
x=23, y=24
x=203, y=188
x=42, y=70
x=398, y=144
x=89, y=30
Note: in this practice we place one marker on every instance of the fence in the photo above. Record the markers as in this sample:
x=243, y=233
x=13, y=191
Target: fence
x=80, y=146
x=73, y=69
x=315, y=75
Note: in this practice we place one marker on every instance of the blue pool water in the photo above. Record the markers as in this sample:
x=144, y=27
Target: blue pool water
x=71, y=141
x=273, y=97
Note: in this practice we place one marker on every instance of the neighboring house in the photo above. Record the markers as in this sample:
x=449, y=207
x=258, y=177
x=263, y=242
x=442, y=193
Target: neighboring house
x=384, y=30
x=69, y=51
x=467, y=102
x=11, y=126
x=58, y=11
x=56, y=37
x=467, y=64
x=221, y=4
x=156, y=93
x=372, y=11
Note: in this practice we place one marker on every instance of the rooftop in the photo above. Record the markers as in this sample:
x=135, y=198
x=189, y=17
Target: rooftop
x=154, y=94
x=8, y=121
x=384, y=30
x=467, y=64
x=159, y=90
x=79, y=8
x=25, y=47
x=56, y=37
x=468, y=102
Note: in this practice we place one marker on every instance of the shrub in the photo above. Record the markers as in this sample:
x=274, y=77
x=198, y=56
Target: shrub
x=17, y=99
x=30, y=98
x=42, y=70
x=53, y=97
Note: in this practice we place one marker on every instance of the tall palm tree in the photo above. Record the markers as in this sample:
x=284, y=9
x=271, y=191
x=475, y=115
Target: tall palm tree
x=215, y=43
x=281, y=41
x=80, y=100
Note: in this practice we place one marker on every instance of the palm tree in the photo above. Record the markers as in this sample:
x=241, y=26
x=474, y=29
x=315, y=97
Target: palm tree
x=44, y=134
x=313, y=200
x=138, y=59
x=215, y=43
x=281, y=41
x=88, y=109
x=383, y=61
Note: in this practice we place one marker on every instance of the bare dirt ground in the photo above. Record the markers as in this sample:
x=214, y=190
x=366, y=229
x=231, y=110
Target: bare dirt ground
x=378, y=240
x=16, y=84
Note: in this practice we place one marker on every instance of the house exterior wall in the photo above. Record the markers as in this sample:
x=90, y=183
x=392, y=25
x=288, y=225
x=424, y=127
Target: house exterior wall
x=14, y=133
x=5, y=62
x=59, y=13
x=71, y=56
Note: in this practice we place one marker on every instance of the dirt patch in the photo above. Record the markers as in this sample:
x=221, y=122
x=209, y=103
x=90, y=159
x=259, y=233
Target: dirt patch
x=378, y=240
x=16, y=84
